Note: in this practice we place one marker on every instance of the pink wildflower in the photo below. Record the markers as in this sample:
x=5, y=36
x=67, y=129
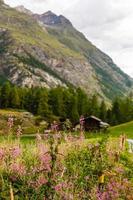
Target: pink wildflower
x=119, y=170
x=41, y=181
x=18, y=168
x=15, y=152
x=60, y=187
x=10, y=121
x=2, y=153
x=45, y=161
x=19, y=131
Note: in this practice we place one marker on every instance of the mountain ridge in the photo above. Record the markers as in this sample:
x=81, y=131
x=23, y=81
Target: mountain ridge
x=47, y=54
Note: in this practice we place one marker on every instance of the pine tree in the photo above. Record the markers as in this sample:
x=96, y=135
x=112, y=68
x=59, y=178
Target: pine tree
x=83, y=102
x=5, y=95
x=116, y=112
x=56, y=101
x=94, y=106
x=102, y=111
x=43, y=107
x=74, y=115
x=14, y=100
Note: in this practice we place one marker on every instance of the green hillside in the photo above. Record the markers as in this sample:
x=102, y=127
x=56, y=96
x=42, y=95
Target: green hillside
x=26, y=30
x=26, y=120
x=126, y=128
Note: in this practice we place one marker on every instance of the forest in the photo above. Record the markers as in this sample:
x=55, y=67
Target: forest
x=61, y=103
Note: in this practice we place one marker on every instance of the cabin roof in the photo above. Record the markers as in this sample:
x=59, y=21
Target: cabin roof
x=93, y=117
x=90, y=117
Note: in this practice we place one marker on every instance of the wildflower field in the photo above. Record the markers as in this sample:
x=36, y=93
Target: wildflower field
x=64, y=166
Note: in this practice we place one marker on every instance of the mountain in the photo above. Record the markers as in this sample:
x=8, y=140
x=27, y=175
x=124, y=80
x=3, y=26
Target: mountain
x=46, y=50
x=51, y=19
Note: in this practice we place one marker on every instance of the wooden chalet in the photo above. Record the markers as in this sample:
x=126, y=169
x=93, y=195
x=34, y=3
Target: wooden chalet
x=93, y=124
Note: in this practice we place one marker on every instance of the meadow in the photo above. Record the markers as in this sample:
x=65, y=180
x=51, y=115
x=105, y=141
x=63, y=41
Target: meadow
x=65, y=165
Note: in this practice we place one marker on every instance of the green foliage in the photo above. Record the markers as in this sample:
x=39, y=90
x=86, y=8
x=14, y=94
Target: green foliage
x=84, y=165
x=5, y=95
x=122, y=111
x=43, y=107
x=14, y=98
x=103, y=111
x=61, y=103
x=94, y=105
x=83, y=102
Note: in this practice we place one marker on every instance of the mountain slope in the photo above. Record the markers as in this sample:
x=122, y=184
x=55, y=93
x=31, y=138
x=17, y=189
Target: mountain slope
x=46, y=50
x=111, y=78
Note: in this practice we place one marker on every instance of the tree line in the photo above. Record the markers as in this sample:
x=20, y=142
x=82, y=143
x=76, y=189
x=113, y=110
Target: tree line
x=61, y=103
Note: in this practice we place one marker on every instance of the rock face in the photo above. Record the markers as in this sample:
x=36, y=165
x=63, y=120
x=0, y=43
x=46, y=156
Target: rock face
x=47, y=51
x=23, y=10
x=52, y=19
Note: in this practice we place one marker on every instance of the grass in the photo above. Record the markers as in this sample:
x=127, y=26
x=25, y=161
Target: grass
x=126, y=128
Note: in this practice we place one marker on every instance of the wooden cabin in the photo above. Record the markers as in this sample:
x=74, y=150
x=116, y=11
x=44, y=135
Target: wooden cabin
x=93, y=124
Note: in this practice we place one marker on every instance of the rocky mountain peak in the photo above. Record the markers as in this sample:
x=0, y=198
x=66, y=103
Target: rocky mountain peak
x=22, y=9
x=50, y=18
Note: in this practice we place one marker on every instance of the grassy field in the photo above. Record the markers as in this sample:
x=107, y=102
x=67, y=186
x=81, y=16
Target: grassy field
x=126, y=128
x=34, y=168
x=29, y=127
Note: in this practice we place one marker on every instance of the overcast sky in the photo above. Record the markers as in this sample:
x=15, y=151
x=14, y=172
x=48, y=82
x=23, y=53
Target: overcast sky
x=106, y=23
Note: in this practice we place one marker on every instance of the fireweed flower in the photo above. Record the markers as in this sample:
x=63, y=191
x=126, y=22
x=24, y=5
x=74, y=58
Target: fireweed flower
x=19, y=131
x=45, y=161
x=15, y=152
x=119, y=170
x=41, y=181
x=60, y=187
x=18, y=168
x=43, y=157
x=2, y=154
x=42, y=149
x=10, y=121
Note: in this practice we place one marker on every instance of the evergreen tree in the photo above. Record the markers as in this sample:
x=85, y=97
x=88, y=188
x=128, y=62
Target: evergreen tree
x=22, y=92
x=56, y=101
x=67, y=102
x=94, y=106
x=74, y=115
x=109, y=116
x=102, y=111
x=14, y=100
x=116, y=112
x=29, y=101
x=43, y=107
x=82, y=102
x=36, y=98
x=5, y=95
